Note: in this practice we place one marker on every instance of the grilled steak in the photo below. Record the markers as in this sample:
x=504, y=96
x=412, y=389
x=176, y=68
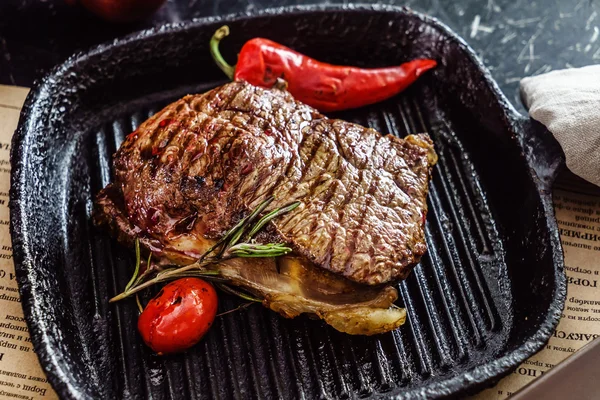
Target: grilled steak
x=195, y=168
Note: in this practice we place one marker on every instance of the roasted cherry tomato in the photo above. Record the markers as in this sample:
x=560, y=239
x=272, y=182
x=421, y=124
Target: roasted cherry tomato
x=121, y=10
x=178, y=316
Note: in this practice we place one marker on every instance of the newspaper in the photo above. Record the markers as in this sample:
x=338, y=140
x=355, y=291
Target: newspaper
x=577, y=211
x=21, y=376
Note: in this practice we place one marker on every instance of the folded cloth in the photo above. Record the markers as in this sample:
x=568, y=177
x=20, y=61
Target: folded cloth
x=567, y=102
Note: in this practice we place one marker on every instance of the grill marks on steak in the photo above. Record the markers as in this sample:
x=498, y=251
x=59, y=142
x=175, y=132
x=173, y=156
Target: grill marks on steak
x=363, y=206
x=191, y=171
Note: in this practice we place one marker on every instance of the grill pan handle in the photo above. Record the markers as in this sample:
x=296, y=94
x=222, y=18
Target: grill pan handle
x=544, y=154
x=542, y=150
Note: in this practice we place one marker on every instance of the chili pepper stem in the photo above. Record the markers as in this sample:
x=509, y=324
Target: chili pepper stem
x=216, y=54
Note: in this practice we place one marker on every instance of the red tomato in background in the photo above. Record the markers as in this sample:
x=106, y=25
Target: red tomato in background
x=179, y=315
x=121, y=10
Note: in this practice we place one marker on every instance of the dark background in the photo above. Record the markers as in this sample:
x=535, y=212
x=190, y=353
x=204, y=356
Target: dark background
x=515, y=38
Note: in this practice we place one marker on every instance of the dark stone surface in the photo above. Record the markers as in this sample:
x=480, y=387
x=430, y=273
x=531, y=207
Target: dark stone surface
x=513, y=38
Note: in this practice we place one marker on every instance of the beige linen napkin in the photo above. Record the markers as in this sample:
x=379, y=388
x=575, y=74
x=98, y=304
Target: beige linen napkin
x=567, y=102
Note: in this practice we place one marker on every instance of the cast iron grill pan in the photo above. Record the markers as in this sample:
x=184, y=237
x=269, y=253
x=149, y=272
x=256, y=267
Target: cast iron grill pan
x=486, y=295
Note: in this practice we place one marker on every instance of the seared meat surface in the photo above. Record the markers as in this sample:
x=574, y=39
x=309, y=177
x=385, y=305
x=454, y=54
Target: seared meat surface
x=190, y=172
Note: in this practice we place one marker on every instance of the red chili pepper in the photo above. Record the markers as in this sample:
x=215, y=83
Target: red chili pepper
x=324, y=86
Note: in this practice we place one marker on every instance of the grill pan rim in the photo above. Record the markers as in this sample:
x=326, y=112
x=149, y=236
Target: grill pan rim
x=34, y=111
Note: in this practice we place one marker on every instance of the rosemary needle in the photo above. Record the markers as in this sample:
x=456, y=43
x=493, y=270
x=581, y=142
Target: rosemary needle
x=137, y=265
x=245, y=305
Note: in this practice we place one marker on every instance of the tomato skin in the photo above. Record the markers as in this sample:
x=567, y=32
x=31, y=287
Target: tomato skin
x=179, y=315
x=122, y=10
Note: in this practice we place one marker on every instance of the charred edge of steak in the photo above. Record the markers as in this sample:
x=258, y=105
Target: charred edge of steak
x=108, y=214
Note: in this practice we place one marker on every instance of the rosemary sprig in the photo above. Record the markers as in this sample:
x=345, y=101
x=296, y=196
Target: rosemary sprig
x=240, y=307
x=257, y=250
x=269, y=217
x=139, y=303
x=235, y=231
x=168, y=275
x=239, y=293
x=237, y=234
x=226, y=248
x=137, y=265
